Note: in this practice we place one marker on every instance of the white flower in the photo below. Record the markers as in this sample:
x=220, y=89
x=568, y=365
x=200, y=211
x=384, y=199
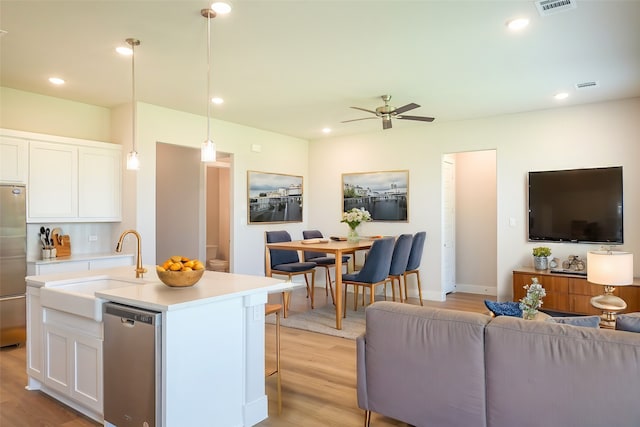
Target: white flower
x=355, y=216
x=533, y=300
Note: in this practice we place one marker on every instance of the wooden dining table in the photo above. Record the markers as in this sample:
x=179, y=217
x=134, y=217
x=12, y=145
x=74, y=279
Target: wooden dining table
x=337, y=248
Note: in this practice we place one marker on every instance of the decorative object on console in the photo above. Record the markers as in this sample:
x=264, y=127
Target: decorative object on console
x=609, y=268
x=540, y=260
x=554, y=263
x=533, y=300
x=353, y=218
x=574, y=263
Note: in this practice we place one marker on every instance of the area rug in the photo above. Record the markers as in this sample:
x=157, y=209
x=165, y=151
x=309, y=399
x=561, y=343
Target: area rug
x=323, y=320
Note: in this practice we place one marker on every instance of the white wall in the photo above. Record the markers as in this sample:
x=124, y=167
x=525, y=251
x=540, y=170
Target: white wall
x=602, y=134
x=279, y=153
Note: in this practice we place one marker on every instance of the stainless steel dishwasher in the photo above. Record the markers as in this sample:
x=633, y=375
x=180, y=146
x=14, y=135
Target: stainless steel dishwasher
x=132, y=366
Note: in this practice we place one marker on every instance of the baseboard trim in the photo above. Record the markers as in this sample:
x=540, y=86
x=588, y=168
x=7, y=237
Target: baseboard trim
x=477, y=289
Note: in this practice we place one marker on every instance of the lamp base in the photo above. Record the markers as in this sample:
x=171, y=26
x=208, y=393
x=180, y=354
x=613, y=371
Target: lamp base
x=610, y=306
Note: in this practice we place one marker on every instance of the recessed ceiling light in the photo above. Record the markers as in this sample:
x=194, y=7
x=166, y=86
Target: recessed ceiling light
x=517, y=24
x=326, y=130
x=123, y=50
x=217, y=100
x=561, y=95
x=221, y=7
x=56, y=80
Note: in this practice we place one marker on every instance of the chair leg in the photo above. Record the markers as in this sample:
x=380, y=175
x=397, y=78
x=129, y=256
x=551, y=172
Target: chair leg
x=330, y=286
x=419, y=287
x=367, y=418
x=286, y=299
x=372, y=294
x=274, y=309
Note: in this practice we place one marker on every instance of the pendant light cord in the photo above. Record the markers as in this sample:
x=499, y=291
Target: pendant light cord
x=209, y=78
x=133, y=94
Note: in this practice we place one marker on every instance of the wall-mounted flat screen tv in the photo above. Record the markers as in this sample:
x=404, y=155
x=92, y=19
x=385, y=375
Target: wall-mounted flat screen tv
x=577, y=205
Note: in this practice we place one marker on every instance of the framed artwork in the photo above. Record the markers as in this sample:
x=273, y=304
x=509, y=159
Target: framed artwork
x=383, y=194
x=273, y=197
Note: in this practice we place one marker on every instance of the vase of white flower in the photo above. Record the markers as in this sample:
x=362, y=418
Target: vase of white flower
x=353, y=218
x=533, y=300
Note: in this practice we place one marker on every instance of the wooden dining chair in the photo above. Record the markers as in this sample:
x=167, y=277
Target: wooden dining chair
x=413, y=265
x=287, y=263
x=322, y=260
x=374, y=272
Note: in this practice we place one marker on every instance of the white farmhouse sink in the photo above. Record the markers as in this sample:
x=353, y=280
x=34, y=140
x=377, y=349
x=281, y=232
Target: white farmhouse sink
x=79, y=298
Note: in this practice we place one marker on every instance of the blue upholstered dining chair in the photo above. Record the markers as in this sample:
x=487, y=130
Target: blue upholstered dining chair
x=287, y=263
x=413, y=265
x=322, y=260
x=374, y=272
x=399, y=261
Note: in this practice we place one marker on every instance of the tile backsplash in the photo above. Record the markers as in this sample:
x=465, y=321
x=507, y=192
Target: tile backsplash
x=86, y=238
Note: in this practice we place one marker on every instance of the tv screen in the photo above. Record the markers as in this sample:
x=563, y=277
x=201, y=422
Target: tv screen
x=578, y=205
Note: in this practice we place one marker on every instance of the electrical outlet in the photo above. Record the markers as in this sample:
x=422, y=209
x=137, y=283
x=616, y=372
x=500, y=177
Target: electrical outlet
x=93, y=238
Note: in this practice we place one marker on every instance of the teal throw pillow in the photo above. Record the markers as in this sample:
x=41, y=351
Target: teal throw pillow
x=584, y=321
x=508, y=308
x=628, y=322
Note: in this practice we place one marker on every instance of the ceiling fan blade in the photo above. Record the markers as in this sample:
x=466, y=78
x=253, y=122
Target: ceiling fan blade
x=355, y=120
x=420, y=118
x=386, y=124
x=364, y=109
x=404, y=108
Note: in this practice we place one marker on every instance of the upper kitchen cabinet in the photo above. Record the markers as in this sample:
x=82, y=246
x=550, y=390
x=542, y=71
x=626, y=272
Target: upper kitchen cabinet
x=13, y=160
x=68, y=179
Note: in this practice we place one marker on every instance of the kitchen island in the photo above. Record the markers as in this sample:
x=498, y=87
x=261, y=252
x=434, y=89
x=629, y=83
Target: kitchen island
x=211, y=345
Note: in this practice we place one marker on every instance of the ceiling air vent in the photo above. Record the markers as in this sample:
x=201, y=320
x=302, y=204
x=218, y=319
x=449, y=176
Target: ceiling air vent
x=549, y=7
x=587, y=85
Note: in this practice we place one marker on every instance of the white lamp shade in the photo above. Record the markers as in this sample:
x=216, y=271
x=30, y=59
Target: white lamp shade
x=610, y=268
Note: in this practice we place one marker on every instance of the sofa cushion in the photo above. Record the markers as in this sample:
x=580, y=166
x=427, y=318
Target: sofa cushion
x=546, y=374
x=628, y=322
x=423, y=365
x=584, y=321
x=508, y=308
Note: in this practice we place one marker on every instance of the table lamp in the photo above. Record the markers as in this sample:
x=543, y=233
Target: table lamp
x=611, y=269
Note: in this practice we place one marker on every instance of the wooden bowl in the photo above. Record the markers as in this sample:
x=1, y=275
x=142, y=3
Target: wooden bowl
x=180, y=279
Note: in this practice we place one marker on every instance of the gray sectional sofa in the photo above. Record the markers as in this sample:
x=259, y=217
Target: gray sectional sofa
x=438, y=368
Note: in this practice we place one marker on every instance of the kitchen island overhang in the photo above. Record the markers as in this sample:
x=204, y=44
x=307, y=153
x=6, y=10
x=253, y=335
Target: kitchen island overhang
x=212, y=344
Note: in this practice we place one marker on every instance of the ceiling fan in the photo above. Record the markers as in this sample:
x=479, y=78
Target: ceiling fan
x=387, y=112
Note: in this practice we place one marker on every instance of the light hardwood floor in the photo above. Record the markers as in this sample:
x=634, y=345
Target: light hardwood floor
x=318, y=379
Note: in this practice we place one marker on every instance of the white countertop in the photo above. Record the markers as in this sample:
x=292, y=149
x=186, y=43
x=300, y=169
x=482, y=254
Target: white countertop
x=80, y=257
x=152, y=294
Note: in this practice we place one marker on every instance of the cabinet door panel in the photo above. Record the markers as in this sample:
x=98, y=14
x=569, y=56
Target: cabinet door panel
x=53, y=180
x=99, y=194
x=13, y=160
x=57, y=359
x=87, y=384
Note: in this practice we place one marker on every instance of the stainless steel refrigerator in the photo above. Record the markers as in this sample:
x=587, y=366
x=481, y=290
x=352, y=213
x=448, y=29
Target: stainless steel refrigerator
x=13, y=264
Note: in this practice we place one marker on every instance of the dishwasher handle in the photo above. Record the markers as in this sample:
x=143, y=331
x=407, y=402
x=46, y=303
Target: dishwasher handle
x=131, y=315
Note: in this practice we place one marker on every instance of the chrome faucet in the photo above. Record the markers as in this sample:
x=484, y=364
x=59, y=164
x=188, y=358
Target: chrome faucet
x=140, y=270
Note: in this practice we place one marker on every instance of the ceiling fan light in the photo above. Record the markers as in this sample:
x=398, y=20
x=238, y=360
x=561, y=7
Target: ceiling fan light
x=208, y=151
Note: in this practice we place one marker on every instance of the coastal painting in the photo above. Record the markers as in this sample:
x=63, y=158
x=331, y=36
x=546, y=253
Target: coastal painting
x=274, y=197
x=383, y=194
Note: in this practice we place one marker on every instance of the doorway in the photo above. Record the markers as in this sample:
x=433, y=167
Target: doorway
x=218, y=216
x=469, y=224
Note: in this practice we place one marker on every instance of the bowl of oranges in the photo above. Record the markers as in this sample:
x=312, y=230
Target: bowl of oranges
x=180, y=272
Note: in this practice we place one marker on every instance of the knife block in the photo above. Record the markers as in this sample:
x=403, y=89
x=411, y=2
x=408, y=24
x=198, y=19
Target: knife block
x=62, y=245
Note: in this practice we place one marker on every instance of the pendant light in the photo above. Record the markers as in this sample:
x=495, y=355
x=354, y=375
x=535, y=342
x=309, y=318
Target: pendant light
x=133, y=161
x=208, y=147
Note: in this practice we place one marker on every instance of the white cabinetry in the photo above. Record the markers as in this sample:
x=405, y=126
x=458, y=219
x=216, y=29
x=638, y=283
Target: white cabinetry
x=13, y=160
x=73, y=357
x=78, y=263
x=69, y=180
x=53, y=181
x=99, y=184
x=35, y=362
